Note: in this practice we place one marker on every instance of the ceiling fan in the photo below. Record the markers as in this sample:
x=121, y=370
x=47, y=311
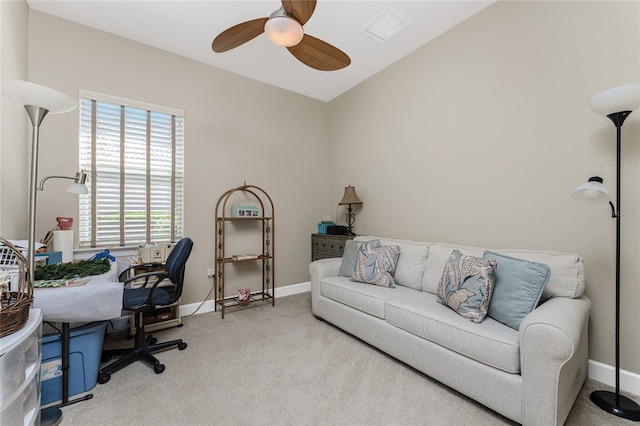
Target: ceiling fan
x=284, y=28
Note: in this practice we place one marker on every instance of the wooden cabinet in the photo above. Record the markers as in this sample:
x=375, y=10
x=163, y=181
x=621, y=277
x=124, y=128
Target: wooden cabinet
x=229, y=214
x=327, y=245
x=20, y=357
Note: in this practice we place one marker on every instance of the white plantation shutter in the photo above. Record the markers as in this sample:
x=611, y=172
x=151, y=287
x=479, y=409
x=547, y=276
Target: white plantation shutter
x=134, y=156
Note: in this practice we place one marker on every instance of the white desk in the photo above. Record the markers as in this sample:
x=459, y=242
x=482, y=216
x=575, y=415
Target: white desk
x=98, y=300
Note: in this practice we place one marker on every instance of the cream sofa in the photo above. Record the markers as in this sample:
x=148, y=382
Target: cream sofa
x=531, y=375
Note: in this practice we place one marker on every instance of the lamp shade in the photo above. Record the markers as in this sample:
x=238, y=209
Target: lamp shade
x=78, y=188
x=283, y=29
x=28, y=93
x=618, y=99
x=350, y=196
x=592, y=192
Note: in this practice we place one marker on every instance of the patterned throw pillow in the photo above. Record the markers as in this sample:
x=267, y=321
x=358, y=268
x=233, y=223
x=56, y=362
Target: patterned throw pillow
x=350, y=255
x=376, y=265
x=467, y=284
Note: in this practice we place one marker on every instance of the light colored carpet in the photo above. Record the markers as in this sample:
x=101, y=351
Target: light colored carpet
x=266, y=365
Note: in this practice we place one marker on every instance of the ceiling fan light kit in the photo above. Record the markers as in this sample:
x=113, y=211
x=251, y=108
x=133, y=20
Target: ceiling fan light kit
x=283, y=29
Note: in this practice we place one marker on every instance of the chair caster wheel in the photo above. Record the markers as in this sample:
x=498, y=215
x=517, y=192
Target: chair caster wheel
x=103, y=378
x=158, y=368
x=105, y=358
x=182, y=346
x=151, y=340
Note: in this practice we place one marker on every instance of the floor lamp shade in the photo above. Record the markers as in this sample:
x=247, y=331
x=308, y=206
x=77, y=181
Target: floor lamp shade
x=623, y=98
x=28, y=93
x=592, y=192
x=616, y=104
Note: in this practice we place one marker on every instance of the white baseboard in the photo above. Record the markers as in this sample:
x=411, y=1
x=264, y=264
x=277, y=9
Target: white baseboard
x=605, y=373
x=208, y=306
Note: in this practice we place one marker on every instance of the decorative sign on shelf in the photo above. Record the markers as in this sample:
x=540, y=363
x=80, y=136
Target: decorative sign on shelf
x=245, y=211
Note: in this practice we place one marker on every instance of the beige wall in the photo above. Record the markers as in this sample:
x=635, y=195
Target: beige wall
x=235, y=129
x=480, y=137
x=14, y=141
x=477, y=138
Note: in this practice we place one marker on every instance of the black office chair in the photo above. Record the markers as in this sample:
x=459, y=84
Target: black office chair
x=147, y=298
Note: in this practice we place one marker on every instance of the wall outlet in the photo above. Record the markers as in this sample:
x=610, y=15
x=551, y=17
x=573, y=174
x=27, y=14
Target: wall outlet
x=210, y=272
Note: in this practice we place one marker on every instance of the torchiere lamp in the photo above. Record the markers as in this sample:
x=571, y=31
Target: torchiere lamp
x=617, y=104
x=40, y=101
x=349, y=198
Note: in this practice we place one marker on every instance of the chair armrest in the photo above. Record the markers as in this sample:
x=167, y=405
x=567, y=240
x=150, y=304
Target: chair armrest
x=318, y=270
x=159, y=277
x=553, y=358
x=153, y=265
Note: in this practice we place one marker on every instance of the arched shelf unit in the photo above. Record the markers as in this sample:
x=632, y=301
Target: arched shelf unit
x=228, y=214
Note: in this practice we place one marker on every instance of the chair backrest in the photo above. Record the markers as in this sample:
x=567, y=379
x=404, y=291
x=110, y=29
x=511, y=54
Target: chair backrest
x=175, y=265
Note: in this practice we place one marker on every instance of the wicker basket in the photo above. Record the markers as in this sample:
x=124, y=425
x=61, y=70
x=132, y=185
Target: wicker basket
x=15, y=305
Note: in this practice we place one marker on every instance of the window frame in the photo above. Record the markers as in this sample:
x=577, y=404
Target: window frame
x=89, y=234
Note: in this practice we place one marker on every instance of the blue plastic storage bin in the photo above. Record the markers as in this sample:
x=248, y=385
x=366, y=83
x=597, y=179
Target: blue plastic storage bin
x=85, y=350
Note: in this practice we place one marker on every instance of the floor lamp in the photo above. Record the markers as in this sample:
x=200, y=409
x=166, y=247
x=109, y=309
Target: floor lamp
x=39, y=101
x=617, y=104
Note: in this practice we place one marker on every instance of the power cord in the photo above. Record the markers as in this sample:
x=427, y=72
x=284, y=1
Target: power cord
x=205, y=299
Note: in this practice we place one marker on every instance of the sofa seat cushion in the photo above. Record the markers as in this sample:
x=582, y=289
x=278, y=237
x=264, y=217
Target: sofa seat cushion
x=367, y=298
x=489, y=342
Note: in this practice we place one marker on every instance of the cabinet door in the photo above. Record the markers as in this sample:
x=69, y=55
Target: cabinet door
x=326, y=246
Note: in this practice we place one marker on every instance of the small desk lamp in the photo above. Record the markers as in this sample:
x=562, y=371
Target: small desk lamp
x=350, y=197
x=617, y=104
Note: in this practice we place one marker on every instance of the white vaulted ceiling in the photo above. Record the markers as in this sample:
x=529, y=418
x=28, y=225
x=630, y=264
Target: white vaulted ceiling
x=187, y=28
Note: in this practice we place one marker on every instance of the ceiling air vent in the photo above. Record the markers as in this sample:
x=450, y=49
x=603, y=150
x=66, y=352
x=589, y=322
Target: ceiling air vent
x=386, y=25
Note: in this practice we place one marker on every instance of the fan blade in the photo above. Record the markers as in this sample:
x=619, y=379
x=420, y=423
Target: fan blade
x=300, y=9
x=238, y=35
x=319, y=54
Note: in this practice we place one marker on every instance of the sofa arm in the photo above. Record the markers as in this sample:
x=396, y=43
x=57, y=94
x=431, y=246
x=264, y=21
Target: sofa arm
x=553, y=358
x=318, y=270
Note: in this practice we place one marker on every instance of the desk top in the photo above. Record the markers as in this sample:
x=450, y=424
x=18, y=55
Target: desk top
x=99, y=299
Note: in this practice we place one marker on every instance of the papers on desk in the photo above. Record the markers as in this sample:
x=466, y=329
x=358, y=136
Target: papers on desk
x=39, y=284
x=24, y=244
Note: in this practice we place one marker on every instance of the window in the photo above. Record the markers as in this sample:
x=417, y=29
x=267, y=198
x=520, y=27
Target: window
x=133, y=154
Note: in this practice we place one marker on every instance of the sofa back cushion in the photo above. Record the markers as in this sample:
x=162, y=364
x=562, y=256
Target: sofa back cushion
x=411, y=262
x=566, y=278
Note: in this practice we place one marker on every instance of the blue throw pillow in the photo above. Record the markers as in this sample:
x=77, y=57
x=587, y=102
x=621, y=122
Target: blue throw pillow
x=519, y=285
x=350, y=255
x=466, y=285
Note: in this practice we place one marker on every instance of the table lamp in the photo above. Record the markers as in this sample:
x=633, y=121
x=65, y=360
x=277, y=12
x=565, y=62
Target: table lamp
x=349, y=198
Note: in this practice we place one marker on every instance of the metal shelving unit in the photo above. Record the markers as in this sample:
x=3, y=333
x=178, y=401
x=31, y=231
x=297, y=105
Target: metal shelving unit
x=266, y=258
